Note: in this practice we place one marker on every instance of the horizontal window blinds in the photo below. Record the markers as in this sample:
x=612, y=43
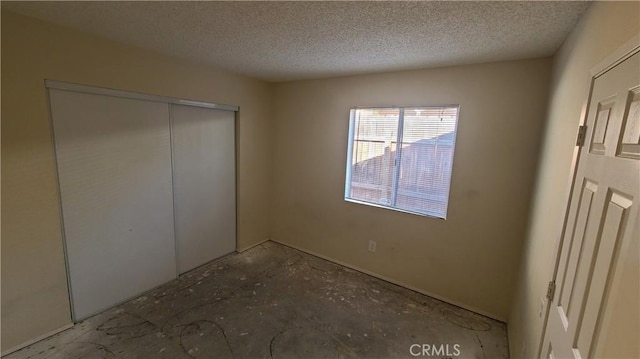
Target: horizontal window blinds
x=374, y=146
x=402, y=157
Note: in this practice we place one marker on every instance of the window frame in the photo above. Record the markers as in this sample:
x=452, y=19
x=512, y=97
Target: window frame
x=397, y=160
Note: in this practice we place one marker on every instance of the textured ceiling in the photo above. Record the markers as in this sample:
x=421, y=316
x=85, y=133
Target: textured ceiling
x=280, y=41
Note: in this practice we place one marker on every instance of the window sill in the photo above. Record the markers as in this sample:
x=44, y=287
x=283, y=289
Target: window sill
x=394, y=209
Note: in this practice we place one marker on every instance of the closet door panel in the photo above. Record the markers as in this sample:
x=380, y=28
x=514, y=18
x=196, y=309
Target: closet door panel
x=114, y=168
x=204, y=184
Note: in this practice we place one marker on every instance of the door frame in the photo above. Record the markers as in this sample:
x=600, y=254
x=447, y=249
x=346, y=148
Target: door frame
x=622, y=53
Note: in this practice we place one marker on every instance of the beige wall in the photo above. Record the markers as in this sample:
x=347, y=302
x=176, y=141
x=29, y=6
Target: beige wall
x=604, y=28
x=472, y=257
x=34, y=288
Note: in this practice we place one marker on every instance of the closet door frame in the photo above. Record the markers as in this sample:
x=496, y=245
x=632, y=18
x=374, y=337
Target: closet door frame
x=60, y=85
x=67, y=86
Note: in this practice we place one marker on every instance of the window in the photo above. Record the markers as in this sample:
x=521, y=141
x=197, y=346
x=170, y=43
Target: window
x=401, y=158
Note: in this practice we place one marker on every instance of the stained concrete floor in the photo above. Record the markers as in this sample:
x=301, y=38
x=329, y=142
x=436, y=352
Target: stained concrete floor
x=276, y=302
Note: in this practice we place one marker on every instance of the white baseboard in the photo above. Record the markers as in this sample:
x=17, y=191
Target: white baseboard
x=37, y=339
x=393, y=281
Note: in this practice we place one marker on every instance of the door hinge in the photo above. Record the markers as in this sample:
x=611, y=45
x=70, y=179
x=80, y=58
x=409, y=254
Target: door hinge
x=551, y=290
x=582, y=131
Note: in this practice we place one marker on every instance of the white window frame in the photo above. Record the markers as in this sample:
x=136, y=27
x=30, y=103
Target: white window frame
x=347, y=190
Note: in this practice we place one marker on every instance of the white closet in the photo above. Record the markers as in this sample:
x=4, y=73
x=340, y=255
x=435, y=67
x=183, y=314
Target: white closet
x=147, y=189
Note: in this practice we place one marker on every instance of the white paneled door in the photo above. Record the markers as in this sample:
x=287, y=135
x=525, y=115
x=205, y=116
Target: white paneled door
x=114, y=167
x=603, y=215
x=204, y=184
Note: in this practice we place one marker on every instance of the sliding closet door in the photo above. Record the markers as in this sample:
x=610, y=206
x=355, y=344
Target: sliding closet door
x=204, y=184
x=114, y=167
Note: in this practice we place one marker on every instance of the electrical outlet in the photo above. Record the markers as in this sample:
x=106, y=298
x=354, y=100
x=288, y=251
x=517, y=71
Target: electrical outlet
x=372, y=246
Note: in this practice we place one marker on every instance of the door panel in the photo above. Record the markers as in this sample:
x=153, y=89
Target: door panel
x=203, y=142
x=566, y=284
x=114, y=167
x=630, y=135
x=602, y=214
x=612, y=227
x=600, y=126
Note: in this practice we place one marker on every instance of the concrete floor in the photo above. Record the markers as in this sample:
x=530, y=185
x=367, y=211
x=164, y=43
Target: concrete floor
x=276, y=302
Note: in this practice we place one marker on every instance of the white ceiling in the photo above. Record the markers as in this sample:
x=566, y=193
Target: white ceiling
x=281, y=41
